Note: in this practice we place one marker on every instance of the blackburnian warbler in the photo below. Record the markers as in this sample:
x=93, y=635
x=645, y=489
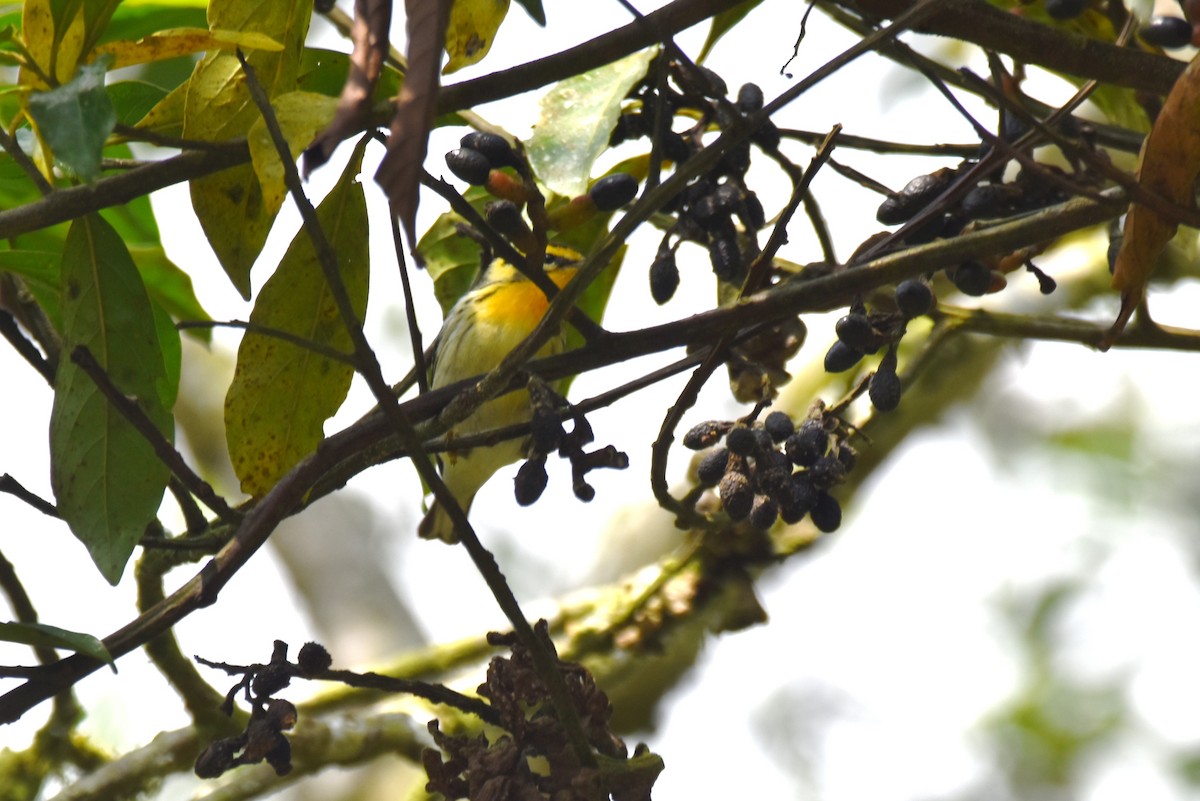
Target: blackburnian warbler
x=486, y=323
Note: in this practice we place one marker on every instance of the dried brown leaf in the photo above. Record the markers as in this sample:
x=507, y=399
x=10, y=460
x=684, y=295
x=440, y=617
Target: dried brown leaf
x=372, y=20
x=1168, y=167
x=399, y=172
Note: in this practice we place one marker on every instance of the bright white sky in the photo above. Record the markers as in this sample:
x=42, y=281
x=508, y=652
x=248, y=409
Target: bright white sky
x=886, y=647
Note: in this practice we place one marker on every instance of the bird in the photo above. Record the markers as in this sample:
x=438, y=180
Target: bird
x=482, y=327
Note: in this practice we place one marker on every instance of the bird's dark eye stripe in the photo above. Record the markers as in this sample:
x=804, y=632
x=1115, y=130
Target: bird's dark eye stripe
x=557, y=260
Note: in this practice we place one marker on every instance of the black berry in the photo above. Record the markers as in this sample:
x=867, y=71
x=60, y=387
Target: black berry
x=469, y=165
x=884, y=389
x=1168, y=33
x=914, y=298
x=726, y=261
x=712, y=467
x=749, y=98
x=764, y=512
x=741, y=441
x=664, y=277
x=826, y=513
x=807, y=444
x=613, y=191
x=779, y=426
x=841, y=357
x=856, y=331
x=531, y=480
x=972, y=278
x=313, y=658
x=493, y=146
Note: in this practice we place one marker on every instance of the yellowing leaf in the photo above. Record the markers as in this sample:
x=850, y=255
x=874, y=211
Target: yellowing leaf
x=54, y=37
x=230, y=204
x=107, y=481
x=472, y=28
x=183, y=42
x=166, y=118
x=283, y=393
x=301, y=115
x=1168, y=166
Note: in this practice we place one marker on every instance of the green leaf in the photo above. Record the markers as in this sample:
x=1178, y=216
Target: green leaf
x=76, y=118
x=283, y=393
x=39, y=270
x=168, y=286
x=41, y=635
x=577, y=117
x=106, y=478
x=534, y=9
x=722, y=23
x=133, y=100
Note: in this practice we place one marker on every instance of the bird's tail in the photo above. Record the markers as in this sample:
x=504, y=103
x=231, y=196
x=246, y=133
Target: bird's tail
x=437, y=525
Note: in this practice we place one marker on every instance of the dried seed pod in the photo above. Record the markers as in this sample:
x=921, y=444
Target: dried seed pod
x=706, y=434
x=469, y=165
x=763, y=513
x=736, y=495
x=313, y=658
x=916, y=195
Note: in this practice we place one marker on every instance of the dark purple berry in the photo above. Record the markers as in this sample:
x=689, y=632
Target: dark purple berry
x=807, y=445
x=664, y=277
x=613, y=191
x=972, y=278
x=915, y=195
x=856, y=331
x=741, y=441
x=763, y=513
x=469, y=165
x=712, y=466
x=914, y=298
x=505, y=217
x=751, y=212
x=1169, y=33
x=779, y=426
x=531, y=480
x=494, y=147
x=675, y=148
x=725, y=258
x=313, y=658
x=841, y=357
x=766, y=136
x=827, y=472
x=826, y=513
x=884, y=389
x=801, y=497
x=749, y=98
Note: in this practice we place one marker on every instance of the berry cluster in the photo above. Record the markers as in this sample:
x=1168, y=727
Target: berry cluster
x=549, y=435
x=861, y=332
x=481, y=160
x=775, y=469
x=706, y=209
